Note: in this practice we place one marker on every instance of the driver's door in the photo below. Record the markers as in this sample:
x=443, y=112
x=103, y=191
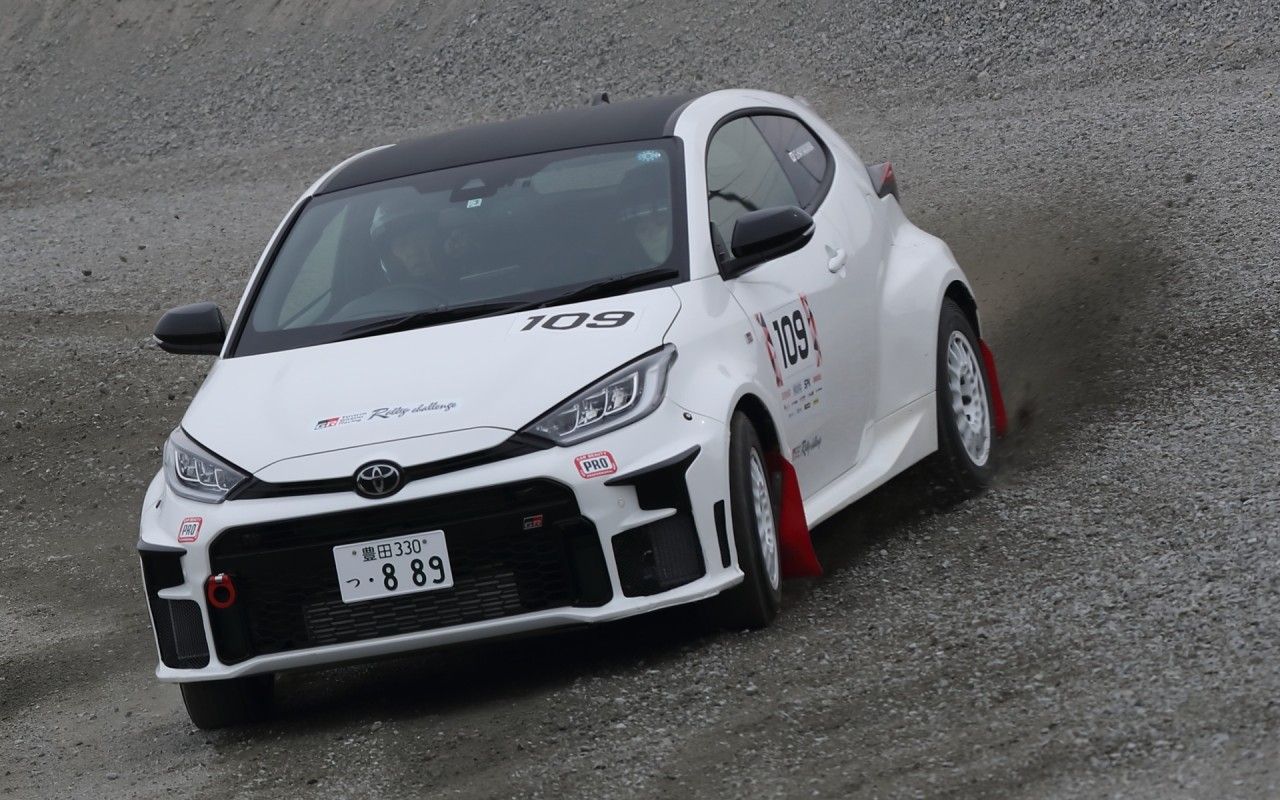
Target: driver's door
x=799, y=304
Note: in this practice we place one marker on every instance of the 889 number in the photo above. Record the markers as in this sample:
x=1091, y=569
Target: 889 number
x=417, y=571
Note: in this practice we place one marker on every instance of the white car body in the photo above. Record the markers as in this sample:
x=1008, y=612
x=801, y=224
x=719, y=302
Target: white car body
x=869, y=281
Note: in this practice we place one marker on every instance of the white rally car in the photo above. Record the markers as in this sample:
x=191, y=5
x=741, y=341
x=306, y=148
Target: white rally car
x=553, y=371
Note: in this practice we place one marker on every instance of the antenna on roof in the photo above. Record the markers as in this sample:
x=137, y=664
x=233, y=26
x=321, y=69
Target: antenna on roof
x=599, y=98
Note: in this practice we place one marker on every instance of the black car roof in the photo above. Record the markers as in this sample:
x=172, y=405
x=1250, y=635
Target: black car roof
x=607, y=123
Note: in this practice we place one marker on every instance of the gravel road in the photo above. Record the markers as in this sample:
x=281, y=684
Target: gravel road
x=1104, y=622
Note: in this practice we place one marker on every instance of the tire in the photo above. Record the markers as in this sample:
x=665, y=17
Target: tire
x=753, y=603
x=221, y=704
x=963, y=465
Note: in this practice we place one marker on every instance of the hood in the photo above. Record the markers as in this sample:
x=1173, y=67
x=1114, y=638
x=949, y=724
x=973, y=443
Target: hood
x=495, y=374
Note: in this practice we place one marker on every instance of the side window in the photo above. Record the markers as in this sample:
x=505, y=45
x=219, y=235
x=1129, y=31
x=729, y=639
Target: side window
x=743, y=175
x=803, y=157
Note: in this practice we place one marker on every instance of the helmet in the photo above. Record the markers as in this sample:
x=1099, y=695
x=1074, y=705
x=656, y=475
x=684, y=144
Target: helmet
x=392, y=224
x=645, y=193
x=395, y=220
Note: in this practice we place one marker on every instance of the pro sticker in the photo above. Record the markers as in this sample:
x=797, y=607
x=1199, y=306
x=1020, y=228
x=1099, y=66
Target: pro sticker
x=189, y=530
x=594, y=465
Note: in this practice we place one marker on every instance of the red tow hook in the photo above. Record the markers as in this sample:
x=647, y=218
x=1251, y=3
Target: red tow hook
x=220, y=591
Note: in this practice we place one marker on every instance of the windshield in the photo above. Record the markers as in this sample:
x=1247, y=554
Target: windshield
x=472, y=241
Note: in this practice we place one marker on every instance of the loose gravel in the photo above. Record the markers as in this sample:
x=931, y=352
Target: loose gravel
x=1104, y=622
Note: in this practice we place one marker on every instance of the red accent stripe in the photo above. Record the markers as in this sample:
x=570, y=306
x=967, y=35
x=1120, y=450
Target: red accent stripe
x=997, y=399
x=768, y=346
x=813, y=328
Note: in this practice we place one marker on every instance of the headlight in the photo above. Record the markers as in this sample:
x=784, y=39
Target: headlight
x=194, y=473
x=629, y=394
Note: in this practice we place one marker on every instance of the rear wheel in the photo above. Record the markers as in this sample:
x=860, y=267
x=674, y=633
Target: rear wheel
x=221, y=704
x=966, y=437
x=753, y=504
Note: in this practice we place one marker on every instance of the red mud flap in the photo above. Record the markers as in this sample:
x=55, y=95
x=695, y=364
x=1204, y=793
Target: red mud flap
x=795, y=547
x=997, y=399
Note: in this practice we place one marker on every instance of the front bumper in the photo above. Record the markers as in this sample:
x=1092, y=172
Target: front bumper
x=668, y=497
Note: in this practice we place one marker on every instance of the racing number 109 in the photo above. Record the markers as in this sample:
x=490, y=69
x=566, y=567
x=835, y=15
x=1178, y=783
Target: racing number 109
x=793, y=339
x=571, y=320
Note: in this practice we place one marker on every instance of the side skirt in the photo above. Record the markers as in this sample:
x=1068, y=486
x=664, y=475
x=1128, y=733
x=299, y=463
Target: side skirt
x=898, y=441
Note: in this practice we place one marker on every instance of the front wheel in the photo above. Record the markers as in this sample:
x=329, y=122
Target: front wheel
x=753, y=505
x=222, y=704
x=966, y=440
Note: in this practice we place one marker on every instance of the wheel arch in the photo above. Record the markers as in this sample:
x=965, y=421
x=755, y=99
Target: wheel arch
x=921, y=272
x=758, y=413
x=960, y=294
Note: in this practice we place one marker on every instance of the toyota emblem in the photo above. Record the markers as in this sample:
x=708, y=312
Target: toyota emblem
x=379, y=479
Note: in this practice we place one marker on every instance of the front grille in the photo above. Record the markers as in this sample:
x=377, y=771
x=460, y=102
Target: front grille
x=179, y=627
x=287, y=585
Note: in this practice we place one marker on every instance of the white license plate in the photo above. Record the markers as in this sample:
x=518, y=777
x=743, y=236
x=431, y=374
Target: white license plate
x=417, y=562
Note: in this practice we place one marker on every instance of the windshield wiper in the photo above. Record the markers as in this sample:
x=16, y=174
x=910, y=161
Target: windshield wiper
x=618, y=284
x=431, y=316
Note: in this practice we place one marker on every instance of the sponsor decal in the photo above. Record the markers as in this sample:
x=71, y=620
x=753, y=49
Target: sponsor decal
x=594, y=465
x=533, y=522
x=800, y=152
x=791, y=341
x=804, y=395
x=387, y=412
x=346, y=419
x=421, y=408
x=189, y=530
x=806, y=447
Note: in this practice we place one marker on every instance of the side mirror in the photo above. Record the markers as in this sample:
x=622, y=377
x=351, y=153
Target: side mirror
x=196, y=329
x=769, y=233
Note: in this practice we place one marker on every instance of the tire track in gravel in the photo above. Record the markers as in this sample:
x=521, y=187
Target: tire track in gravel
x=74, y=655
